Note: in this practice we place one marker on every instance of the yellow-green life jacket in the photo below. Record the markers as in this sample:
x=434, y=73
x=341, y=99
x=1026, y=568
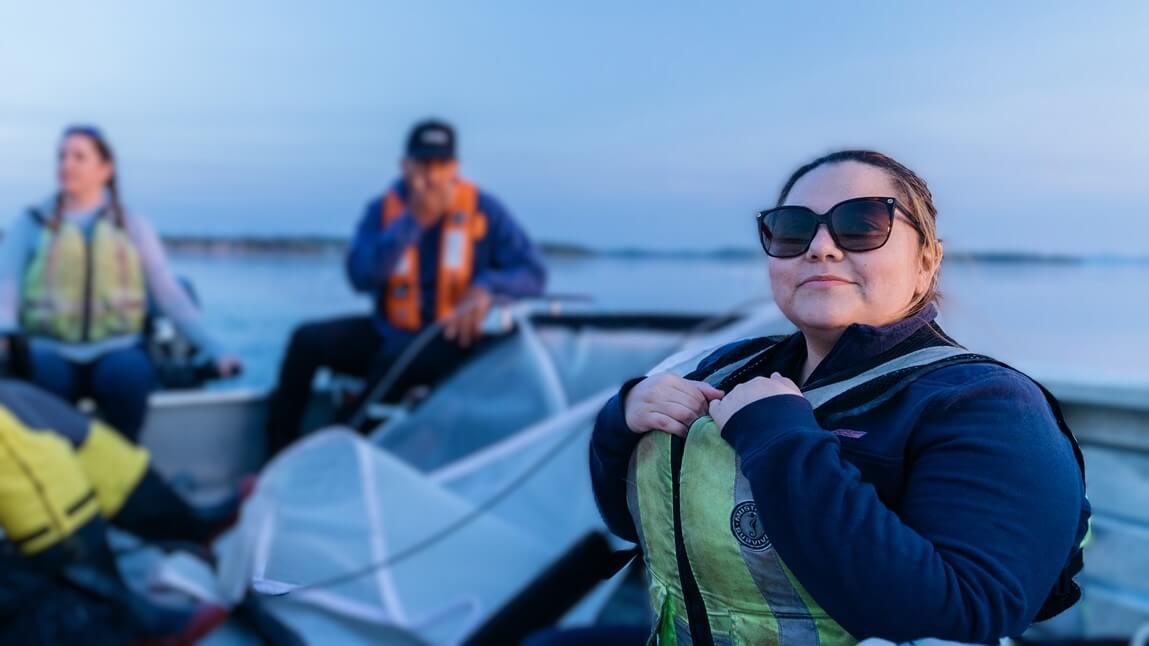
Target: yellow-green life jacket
x=749, y=594
x=81, y=289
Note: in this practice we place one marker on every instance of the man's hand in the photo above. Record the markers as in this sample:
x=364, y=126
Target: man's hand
x=747, y=393
x=667, y=403
x=465, y=324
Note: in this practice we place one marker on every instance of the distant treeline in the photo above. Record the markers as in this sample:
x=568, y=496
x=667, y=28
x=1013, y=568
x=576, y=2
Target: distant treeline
x=256, y=244
x=326, y=244
x=561, y=250
x=318, y=244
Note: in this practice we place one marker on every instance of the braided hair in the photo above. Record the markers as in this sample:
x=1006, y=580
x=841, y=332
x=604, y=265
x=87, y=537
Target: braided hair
x=104, y=150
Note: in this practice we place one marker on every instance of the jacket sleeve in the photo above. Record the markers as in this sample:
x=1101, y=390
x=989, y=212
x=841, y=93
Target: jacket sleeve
x=988, y=516
x=611, y=446
x=19, y=240
x=376, y=250
x=516, y=269
x=170, y=296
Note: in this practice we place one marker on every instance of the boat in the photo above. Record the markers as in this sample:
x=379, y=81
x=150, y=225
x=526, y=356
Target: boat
x=467, y=516
x=461, y=479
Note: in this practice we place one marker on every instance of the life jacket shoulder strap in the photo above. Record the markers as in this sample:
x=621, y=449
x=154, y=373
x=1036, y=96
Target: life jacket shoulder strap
x=39, y=217
x=873, y=388
x=468, y=198
x=390, y=207
x=729, y=359
x=870, y=389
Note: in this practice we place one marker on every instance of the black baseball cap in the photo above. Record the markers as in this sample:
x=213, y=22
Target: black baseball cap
x=431, y=139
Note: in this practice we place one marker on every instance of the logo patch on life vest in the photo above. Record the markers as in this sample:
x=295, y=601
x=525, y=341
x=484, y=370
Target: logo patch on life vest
x=747, y=526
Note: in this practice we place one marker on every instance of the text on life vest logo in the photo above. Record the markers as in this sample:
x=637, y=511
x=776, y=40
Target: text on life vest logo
x=747, y=526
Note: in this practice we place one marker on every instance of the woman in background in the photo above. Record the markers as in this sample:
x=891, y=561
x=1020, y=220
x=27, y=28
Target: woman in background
x=76, y=273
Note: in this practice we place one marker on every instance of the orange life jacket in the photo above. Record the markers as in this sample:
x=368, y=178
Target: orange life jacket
x=462, y=228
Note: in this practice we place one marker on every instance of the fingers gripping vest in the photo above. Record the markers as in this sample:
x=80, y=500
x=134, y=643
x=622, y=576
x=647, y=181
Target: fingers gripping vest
x=462, y=228
x=58, y=469
x=694, y=511
x=750, y=595
x=76, y=289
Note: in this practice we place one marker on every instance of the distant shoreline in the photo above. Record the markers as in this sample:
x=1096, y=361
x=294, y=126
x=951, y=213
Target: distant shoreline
x=318, y=245
x=323, y=245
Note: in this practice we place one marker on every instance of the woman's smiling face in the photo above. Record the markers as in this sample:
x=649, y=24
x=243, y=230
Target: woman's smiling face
x=828, y=289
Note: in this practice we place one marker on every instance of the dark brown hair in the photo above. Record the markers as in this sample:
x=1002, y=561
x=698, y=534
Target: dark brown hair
x=104, y=150
x=918, y=202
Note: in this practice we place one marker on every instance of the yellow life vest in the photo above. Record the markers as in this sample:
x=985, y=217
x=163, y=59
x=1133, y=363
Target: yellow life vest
x=462, y=228
x=58, y=469
x=79, y=290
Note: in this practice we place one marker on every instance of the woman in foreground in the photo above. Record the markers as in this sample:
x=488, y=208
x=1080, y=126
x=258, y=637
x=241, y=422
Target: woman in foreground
x=864, y=477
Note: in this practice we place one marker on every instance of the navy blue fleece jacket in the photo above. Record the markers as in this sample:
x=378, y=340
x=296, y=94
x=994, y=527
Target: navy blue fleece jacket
x=946, y=512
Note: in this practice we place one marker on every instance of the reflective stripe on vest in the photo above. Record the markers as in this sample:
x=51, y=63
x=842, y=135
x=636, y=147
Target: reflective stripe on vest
x=750, y=596
x=77, y=289
x=462, y=228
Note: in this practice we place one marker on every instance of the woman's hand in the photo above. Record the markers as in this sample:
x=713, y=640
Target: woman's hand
x=228, y=365
x=668, y=403
x=747, y=393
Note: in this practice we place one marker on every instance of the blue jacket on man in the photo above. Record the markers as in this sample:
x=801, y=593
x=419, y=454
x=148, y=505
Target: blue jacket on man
x=506, y=262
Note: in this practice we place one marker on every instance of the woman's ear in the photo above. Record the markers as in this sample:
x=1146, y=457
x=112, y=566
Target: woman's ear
x=931, y=264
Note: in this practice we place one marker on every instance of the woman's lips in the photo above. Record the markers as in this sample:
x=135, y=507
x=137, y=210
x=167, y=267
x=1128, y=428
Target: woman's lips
x=825, y=281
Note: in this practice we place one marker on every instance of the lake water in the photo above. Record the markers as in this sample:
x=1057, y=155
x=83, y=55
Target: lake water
x=1087, y=320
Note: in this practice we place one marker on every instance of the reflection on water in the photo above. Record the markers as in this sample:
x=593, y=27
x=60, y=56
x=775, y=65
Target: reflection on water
x=1079, y=320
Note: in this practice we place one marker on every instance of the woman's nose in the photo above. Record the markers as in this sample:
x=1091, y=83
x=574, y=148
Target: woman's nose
x=823, y=245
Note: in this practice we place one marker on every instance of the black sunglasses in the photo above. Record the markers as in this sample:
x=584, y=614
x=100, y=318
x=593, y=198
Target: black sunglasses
x=858, y=224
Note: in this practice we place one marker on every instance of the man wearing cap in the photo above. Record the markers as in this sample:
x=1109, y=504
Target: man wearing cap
x=433, y=248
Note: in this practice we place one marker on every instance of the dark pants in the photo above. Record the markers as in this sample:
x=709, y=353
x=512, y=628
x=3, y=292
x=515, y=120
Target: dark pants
x=155, y=512
x=119, y=381
x=351, y=346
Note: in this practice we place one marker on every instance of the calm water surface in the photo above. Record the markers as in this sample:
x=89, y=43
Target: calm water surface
x=1084, y=320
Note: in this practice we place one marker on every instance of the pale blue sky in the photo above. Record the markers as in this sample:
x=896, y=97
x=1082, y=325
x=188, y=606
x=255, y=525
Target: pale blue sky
x=647, y=125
